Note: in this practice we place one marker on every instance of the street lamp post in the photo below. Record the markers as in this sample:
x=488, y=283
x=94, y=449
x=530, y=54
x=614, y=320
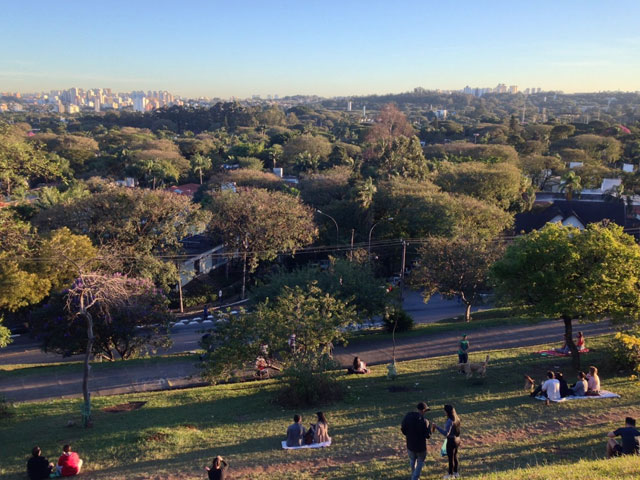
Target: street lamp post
x=336, y=224
x=389, y=219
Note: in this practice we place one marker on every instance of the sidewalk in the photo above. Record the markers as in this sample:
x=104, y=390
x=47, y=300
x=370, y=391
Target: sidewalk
x=36, y=387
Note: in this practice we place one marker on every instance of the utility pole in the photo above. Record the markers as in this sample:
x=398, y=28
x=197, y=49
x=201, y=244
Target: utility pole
x=404, y=260
x=353, y=231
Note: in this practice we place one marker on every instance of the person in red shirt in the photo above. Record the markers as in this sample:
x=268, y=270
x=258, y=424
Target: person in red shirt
x=69, y=463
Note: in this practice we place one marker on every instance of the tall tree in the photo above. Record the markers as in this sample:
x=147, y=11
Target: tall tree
x=260, y=224
x=562, y=272
x=315, y=318
x=135, y=224
x=390, y=123
x=199, y=164
x=456, y=267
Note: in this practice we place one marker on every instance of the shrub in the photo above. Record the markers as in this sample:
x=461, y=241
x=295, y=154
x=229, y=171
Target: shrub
x=5, y=408
x=308, y=384
x=625, y=350
x=405, y=321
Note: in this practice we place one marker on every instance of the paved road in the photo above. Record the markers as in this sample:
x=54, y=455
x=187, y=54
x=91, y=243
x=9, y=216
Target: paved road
x=186, y=334
x=182, y=374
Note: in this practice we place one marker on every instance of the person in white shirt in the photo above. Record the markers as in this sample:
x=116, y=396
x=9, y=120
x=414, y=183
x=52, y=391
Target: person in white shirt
x=551, y=387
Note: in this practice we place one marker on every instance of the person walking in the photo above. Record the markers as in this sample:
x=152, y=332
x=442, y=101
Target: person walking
x=451, y=431
x=416, y=429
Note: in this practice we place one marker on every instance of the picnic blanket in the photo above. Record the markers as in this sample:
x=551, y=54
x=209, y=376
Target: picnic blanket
x=603, y=394
x=313, y=445
x=553, y=353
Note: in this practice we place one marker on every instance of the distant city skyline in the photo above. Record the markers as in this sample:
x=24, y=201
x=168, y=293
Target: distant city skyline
x=330, y=48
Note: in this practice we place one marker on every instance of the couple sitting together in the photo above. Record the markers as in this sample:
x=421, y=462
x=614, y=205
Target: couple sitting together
x=556, y=387
x=39, y=468
x=317, y=433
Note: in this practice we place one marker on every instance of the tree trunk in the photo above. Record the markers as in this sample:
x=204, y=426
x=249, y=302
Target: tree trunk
x=244, y=275
x=200, y=176
x=86, y=412
x=568, y=334
x=467, y=312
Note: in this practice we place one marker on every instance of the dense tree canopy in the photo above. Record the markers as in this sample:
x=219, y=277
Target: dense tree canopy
x=562, y=272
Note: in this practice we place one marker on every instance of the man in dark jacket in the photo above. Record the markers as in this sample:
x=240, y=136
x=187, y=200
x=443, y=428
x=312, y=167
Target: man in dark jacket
x=38, y=467
x=417, y=429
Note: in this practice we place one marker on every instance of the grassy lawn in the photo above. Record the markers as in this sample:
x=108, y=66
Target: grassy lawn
x=505, y=433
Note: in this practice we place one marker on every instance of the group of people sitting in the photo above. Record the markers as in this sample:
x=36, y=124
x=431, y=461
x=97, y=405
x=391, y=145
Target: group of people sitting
x=318, y=432
x=579, y=342
x=556, y=387
x=39, y=468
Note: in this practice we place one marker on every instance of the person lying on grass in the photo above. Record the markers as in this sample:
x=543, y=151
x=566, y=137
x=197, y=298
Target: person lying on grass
x=630, y=440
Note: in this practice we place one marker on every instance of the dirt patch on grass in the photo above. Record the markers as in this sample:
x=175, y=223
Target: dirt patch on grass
x=313, y=466
x=190, y=427
x=573, y=422
x=124, y=407
x=157, y=437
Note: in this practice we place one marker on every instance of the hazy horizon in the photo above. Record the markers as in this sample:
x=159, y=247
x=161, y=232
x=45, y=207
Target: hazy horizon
x=327, y=49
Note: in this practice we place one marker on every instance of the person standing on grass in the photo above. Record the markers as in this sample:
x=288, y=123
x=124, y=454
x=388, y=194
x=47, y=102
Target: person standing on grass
x=630, y=440
x=217, y=470
x=38, y=467
x=451, y=431
x=416, y=429
x=295, y=432
x=463, y=350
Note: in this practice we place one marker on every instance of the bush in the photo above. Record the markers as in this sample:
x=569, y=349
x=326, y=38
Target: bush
x=306, y=384
x=624, y=350
x=5, y=408
x=405, y=321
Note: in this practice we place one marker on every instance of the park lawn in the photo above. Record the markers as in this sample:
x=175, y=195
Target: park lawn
x=176, y=433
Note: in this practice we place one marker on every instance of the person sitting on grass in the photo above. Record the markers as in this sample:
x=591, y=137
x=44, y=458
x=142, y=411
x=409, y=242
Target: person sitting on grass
x=69, y=463
x=580, y=388
x=580, y=342
x=593, y=380
x=217, y=469
x=551, y=387
x=38, y=467
x=320, y=429
x=565, y=391
x=630, y=440
x=295, y=432
x=359, y=366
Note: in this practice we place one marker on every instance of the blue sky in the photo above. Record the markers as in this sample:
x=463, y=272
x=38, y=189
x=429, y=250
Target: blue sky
x=349, y=47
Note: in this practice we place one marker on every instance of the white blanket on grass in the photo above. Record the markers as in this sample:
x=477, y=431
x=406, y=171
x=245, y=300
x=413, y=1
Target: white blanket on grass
x=603, y=394
x=313, y=445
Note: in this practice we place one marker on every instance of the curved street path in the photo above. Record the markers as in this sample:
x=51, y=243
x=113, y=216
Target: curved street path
x=179, y=374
